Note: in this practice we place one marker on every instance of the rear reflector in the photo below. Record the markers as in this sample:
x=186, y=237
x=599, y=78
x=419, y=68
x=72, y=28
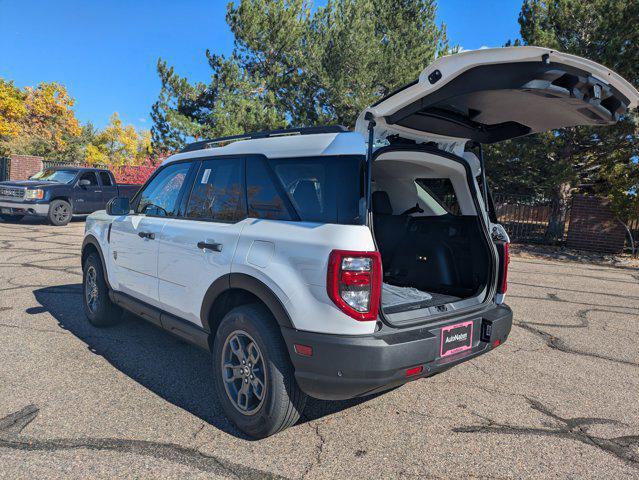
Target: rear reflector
x=414, y=371
x=496, y=343
x=303, y=350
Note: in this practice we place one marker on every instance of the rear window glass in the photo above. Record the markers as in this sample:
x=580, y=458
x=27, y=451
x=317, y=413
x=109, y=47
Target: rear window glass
x=322, y=189
x=440, y=190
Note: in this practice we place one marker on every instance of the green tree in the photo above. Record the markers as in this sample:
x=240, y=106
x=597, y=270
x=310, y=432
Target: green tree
x=293, y=65
x=600, y=161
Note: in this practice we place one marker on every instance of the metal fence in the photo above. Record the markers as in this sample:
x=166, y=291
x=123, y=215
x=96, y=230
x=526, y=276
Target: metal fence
x=4, y=169
x=530, y=220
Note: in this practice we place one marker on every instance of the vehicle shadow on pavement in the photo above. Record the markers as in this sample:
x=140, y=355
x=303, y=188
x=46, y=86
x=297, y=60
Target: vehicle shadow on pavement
x=170, y=368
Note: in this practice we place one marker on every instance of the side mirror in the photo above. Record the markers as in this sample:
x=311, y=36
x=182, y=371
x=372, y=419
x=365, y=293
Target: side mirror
x=84, y=183
x=118, y=206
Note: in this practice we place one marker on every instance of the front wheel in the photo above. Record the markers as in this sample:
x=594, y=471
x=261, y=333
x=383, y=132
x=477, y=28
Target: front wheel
x=98, y=307
x=11, y=218
x=254, y=378
x=60, y=213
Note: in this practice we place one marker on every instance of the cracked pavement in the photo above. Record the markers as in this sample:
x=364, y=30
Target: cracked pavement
x=559, y=398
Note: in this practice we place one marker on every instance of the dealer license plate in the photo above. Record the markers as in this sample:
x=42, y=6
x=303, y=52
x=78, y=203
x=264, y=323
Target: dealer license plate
x=456, y=338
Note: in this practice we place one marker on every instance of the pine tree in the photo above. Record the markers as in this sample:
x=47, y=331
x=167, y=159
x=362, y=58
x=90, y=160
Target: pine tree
x=602, y=160
x=295, y=66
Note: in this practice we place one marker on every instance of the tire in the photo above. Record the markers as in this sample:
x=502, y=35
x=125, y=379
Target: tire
x=282, y=400
x=98, y=308
x=11, y=218
x=60, y=213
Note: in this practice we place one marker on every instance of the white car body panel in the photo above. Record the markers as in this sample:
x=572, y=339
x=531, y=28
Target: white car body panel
x=296, y=272
x=134, y=258
x=185, y=271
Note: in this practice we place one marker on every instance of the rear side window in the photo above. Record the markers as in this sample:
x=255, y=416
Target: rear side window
x=264, y=199
x=106, y=179
x=322, y=189
x=217, y=192
x=439, y=190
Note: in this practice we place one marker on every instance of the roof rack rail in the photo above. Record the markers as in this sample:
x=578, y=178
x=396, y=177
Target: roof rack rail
x=284, y=132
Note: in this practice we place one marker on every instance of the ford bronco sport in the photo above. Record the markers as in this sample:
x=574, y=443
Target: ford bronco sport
x=337, y=264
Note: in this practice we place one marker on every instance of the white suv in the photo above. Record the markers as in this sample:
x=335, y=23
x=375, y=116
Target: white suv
x=337, y=264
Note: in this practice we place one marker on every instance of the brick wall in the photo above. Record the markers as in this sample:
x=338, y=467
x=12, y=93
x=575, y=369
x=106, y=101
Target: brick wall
x=24, y=166
x=593, y=226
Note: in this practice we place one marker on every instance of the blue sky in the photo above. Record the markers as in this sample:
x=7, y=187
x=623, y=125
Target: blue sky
x=106, y=52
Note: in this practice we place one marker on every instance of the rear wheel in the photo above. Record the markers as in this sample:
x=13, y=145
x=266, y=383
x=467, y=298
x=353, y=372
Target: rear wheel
x=98, y=308
x=60, y=213
x=254, y=378
x=11, y=218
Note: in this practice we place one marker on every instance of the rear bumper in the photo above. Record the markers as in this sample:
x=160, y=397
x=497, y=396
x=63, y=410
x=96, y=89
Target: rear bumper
x=344, y=367
x=25, y=208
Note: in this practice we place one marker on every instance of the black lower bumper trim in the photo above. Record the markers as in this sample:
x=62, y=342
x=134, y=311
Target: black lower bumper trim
x=343, y=366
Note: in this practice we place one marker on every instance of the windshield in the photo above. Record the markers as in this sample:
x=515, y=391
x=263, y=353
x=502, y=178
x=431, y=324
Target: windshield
x=58, y=176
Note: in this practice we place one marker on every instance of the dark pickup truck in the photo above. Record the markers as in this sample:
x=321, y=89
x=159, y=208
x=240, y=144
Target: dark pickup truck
x=59, y=193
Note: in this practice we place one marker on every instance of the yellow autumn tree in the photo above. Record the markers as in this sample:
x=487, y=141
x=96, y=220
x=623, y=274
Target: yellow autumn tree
x=119, y=145
x=37, y=121
x=12, y=110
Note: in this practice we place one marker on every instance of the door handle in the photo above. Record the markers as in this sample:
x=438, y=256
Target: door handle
x=216, y=247
x=149, y=235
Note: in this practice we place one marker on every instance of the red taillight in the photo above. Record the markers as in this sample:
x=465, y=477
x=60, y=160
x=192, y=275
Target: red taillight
x=354, y=282
x=505, y=260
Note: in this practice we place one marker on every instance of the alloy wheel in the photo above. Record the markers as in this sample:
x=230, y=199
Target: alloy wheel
x=91, y=289
x=243, y=372
x=61, y=213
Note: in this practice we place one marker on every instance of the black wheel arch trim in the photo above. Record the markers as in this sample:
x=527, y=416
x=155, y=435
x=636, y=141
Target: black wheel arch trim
x=252, y=285
x=91, y=240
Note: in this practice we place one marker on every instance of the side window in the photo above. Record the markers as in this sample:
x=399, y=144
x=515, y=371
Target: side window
x=322, y=189
x=90, y=176
x=264, y=201
x=441, y=190
x=106, y=179
x=217, y=192
x=159, y=197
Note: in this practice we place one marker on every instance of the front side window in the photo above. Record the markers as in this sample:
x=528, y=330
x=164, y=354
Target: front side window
x=90, y=176
x=160, y=196
x=217, y=192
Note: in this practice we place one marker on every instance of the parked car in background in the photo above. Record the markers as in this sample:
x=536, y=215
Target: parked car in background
x=59, y=193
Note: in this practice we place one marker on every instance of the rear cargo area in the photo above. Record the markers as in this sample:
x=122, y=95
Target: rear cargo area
x=435, y=254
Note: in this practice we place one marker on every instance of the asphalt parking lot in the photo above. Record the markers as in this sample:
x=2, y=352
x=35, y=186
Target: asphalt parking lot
x=560, y=398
